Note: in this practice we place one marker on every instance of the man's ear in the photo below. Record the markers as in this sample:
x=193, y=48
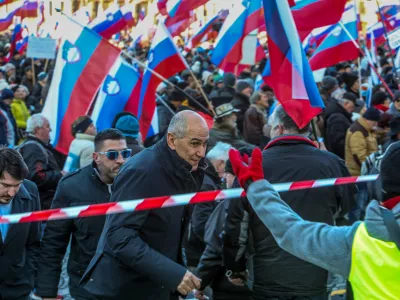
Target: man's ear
x=95, y=157
x=171, y=141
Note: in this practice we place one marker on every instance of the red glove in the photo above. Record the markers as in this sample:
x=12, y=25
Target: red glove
x=247, y=174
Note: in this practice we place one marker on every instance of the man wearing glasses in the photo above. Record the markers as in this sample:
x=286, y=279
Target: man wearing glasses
x=139, y=255
x=89, y=185
x=19, y=243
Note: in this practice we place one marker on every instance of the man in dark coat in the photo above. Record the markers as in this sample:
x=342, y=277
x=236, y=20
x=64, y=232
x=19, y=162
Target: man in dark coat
x=241, y=101
x=338, y=121
x=215, y=171
x=139, y=254
x=19, y=243
x=290, y=156
x=86, y=186
x=38, y=155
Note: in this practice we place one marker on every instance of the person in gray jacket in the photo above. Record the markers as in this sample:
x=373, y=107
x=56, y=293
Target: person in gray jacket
x=367, y=253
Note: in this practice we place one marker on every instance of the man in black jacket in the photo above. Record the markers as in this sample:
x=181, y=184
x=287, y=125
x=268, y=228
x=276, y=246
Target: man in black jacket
x=139, y=254
x=215, y=171
x=290, y=156
x=241, y=101
x=86, y=186
x=39, y=157
x=338, y=121
x=19, y=243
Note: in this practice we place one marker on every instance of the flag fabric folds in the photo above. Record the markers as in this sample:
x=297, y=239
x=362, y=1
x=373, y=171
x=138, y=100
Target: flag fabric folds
x=110, y=22
x=83, y=62
x=311, y=14
x=121, y=86
x=291, y=75
x=165, y=59
x=6, y=22
x=28, y=9
x=243, y=18
x=338, y=45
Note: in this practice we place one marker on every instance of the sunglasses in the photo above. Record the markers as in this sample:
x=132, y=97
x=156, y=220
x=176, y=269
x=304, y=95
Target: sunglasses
x=113, y=154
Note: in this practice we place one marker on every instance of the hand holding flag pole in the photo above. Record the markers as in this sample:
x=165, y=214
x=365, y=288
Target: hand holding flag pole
x=164, y=80
x=369, y=62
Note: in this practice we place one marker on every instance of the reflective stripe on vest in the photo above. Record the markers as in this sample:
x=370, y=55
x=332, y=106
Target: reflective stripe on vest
x=375, y=268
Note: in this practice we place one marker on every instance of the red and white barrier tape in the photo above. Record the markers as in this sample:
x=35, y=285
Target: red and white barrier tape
x=167, y=201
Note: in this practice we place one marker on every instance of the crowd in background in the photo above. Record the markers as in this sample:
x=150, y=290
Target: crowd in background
x=356, y=127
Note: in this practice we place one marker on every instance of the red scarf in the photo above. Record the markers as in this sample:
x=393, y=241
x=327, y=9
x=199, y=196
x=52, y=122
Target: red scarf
x=391, y=203
x=381, y=107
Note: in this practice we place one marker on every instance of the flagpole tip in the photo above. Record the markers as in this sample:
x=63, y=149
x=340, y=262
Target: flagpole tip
x=58, y=10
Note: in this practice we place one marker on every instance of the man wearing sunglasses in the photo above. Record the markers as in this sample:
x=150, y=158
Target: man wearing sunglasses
x=86, y=186
x=139, y=255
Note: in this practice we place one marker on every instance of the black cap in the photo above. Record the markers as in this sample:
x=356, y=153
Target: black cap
x=390, y=167
x=372, y=114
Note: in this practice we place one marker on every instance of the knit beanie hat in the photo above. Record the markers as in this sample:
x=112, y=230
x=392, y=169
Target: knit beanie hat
x=242, y=85
x=372, y=114
x=128, y=125
x=229, y=79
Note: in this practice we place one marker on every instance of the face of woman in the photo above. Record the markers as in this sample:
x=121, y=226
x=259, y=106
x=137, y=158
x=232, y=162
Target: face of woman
x=20, y=93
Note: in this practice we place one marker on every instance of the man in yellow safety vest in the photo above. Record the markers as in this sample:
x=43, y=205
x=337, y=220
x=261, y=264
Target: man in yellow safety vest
x=367, y=253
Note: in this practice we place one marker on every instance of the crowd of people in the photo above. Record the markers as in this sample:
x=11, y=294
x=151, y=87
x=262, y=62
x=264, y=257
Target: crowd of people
x=293, y=245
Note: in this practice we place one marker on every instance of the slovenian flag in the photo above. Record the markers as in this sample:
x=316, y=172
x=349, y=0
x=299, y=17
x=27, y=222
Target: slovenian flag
x=337, y=46
x=110, y=22
x=120, y=89
x=291, y=76
x=83, y=62
x=165, y=59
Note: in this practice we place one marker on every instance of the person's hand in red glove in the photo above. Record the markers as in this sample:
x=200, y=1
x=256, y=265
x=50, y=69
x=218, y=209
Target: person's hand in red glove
x=247, y=173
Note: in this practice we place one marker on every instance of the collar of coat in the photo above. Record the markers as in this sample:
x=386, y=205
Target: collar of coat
x=84, y=136
x=290, y=139
x=178, y=165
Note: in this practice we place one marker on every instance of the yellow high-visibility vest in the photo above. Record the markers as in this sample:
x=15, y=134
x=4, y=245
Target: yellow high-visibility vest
x=375, y=268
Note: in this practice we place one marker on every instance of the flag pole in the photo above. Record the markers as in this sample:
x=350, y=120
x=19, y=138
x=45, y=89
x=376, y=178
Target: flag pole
x=387, y=42
x=159, y=98
x=144, y=66
x=210, y=106
x=369, y=62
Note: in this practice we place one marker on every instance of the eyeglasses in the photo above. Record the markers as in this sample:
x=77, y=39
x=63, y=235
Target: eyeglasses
x=113, y=154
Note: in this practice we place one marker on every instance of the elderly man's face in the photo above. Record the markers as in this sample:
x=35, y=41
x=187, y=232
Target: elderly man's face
x=43, y=133
x=192, y=147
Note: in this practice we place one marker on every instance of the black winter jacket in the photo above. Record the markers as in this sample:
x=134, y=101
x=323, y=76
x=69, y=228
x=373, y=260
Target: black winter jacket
x=43, y=168
x=82, y=187
x=194, y=245
x=210, y=269
x=276, y=272
x=337, y=122
x=139, y=253
x=18, y=253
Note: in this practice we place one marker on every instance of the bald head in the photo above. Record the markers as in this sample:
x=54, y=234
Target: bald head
x=185, y=121
x=188, y=135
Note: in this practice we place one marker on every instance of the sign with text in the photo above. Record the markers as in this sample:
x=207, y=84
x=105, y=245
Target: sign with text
x=41, y=47
x=394, y=39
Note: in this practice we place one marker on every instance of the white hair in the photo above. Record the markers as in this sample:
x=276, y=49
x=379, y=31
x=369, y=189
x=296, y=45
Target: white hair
x=219, y=152
x=35, y=121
